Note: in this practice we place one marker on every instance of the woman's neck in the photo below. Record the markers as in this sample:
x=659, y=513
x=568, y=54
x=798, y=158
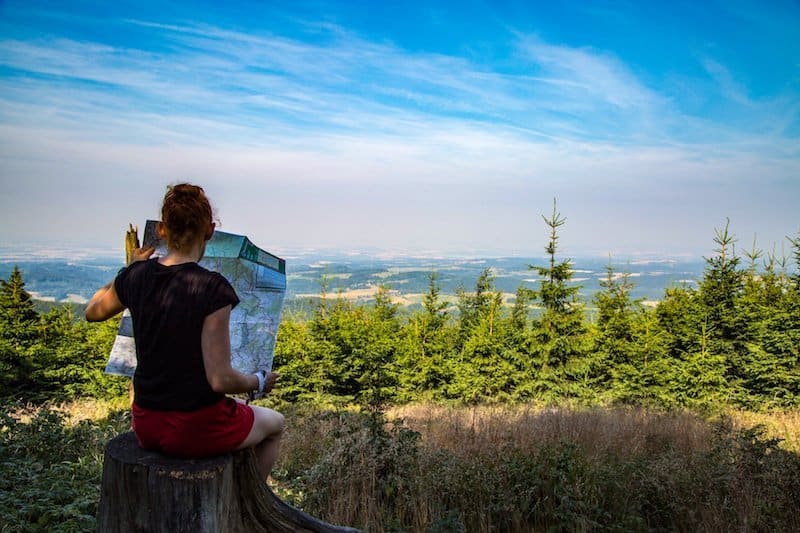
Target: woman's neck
x=192, y=254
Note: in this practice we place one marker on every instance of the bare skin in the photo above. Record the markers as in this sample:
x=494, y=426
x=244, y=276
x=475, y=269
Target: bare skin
x=268, y=425
x=215, y=342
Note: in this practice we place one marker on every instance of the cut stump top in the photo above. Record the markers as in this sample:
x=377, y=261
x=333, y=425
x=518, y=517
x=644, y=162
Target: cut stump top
x=125, y=449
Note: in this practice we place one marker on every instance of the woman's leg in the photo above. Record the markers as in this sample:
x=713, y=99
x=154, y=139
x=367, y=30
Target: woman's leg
x=265, y=437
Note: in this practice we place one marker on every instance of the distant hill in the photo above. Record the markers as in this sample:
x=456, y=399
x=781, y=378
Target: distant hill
x=62, y=280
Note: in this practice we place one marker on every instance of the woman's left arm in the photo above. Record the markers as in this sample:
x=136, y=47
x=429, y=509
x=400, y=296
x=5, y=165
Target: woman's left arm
x=216, y=345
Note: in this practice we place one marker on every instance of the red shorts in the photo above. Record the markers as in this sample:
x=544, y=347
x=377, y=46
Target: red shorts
x=212, y=430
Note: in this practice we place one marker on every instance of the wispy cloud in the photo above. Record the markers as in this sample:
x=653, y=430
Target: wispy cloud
x=324, y=105
x=383, y=110
x=267, y=87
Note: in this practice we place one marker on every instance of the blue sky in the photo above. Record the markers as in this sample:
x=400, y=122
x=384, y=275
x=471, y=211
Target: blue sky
x=427, y=127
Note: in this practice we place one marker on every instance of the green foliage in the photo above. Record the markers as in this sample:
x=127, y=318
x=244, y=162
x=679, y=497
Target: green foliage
x=51, y=356
x=614, y=340
x=424, y=368
x=795, y=242
x=17, y=314
x=485, y=367
x=50, y=471
x=18, y=331
x=559, y=331
x=733, y=341
x=377, y=353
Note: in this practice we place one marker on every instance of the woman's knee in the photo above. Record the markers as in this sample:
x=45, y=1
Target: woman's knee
x=270, y=423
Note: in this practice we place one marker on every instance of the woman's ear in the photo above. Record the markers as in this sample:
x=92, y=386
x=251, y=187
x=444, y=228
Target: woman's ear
x=161, y=230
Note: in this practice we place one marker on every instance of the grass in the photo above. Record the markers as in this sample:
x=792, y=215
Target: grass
x=596, y=431
x=527, y=469
x=437, y=468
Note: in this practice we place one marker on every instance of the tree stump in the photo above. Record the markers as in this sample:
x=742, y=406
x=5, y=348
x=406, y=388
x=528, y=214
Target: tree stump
x=147, y=491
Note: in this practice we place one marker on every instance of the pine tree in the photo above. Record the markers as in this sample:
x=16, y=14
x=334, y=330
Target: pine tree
x=473, y=307
x=376, y=351
x=702, y=379
x=305, y=364
x=615, y=315
x=520, y=342
x=425, y=369
x=773, y=371
x=796, y=252
x=680, y=315
x=18, y=318
x=720, y=293
x=19, y=329
x=679, y=320
x=486, y=371
x=614, y=342
x=519, y=313
x=435, y=308
x=560, y=327
x=652, y=371
x=332, y=334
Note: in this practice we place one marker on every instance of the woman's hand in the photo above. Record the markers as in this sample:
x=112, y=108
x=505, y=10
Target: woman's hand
x=269, y=381
x=141, y=254
x=266, y=381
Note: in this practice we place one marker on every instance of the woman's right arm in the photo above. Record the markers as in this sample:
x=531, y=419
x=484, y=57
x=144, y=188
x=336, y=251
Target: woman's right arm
x=104, y=304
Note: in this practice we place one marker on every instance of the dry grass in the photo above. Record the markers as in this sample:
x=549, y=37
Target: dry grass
x=782, y=425
x=598, y=431
x=523, y=468
x=76, y=411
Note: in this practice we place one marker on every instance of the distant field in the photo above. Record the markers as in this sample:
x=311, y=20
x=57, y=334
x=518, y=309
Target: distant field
x=75, y=280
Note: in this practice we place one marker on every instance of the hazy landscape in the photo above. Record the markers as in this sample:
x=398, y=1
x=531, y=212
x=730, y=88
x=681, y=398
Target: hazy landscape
x=70, y=275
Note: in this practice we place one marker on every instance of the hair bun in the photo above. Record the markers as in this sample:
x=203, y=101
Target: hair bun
x=186, y=214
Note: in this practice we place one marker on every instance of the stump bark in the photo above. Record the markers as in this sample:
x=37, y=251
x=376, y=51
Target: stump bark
x=147, y=491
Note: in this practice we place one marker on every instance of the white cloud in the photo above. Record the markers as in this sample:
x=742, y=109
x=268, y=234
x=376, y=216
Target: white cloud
x=592, y=77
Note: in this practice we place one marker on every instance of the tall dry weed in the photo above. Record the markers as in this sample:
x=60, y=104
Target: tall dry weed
x=598, y=431
x=520, y=468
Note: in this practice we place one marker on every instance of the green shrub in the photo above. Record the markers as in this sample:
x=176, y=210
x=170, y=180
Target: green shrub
x=50, y=471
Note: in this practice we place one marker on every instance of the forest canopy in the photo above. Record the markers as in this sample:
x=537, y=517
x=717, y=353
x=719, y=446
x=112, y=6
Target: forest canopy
x=732, y=341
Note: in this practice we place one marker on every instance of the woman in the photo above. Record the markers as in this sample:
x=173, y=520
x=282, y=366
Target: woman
x=181, y=314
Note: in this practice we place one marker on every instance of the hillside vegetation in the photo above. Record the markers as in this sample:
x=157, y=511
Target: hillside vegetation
x=733, y=341
x=681, y=416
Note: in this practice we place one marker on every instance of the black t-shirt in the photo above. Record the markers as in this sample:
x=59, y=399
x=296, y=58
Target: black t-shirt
x=168, y=305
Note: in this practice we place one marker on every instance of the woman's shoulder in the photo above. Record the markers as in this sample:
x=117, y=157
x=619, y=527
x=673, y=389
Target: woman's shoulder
x=213, y=285
x=200, y=270
x=206, y=275
x=137, y=267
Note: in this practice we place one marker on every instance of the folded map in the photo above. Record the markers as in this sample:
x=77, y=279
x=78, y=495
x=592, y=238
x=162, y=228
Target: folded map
x=259, y=279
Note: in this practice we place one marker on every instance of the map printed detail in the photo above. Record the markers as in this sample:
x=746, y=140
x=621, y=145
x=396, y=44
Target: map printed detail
x=259, y=279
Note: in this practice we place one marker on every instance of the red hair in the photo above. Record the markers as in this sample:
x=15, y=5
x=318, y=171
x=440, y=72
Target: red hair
x=186, y=214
